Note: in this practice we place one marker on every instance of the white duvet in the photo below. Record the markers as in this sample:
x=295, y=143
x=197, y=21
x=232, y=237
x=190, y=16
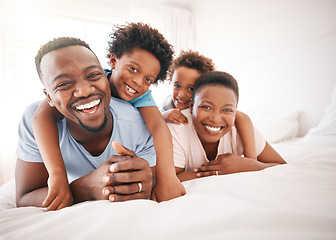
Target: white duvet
x=292, y=201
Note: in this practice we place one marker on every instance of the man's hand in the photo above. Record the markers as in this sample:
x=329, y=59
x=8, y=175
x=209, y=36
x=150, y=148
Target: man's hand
x=130, y=177
x=175, y=116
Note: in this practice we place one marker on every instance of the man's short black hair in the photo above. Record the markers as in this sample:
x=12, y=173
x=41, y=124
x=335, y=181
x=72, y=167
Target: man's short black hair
x=55, y=44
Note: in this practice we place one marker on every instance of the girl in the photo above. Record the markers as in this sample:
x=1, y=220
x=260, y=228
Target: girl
x=184, y=72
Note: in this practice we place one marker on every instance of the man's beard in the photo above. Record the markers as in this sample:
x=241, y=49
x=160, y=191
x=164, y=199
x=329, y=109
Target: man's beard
x=93, y=129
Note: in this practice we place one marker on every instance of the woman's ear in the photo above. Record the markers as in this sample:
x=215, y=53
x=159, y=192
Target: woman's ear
x=50, y=101
x=191, y=106
x=113, y=61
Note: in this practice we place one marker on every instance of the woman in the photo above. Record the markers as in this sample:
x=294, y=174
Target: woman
x=209, y=144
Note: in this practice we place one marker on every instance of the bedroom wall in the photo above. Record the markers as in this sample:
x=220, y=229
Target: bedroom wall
x=282, y=53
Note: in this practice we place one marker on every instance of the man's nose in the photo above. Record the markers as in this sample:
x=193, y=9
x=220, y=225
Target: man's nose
x=83, y=89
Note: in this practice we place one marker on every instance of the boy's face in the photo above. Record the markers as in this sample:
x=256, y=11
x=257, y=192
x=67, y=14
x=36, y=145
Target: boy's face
x=213, y=112
x=183, y=85
x=77, y=86
x=133, y=73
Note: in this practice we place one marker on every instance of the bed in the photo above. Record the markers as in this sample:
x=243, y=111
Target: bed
x=292, y=201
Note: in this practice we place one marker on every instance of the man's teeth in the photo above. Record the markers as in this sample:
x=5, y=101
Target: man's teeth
x=213, y=129
x=88, y=105
x=131, y=90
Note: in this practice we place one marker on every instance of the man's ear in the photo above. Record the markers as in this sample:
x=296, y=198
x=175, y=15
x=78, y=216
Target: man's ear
x=50, y=101
x=113, y=61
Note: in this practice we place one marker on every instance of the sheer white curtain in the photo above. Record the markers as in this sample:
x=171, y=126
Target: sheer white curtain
x=27, y=24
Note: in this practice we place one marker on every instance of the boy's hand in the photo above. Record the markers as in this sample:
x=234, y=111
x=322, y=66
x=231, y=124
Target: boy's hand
x=167, y=188
x=59, y=193
x=175, y=116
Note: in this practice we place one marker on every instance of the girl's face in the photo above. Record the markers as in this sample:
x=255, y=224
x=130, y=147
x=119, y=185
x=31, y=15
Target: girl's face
x=133, y=73
x=213, y=112
x=183, y=82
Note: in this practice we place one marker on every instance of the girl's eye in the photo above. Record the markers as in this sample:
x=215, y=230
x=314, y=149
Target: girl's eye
x=190, y=89
x=176, y=86
x=227, y=110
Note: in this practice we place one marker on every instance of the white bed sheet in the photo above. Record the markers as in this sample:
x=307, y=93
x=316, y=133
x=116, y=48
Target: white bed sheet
x=292, y=201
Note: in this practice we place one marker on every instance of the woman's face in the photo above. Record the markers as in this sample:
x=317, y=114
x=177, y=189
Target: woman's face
x=213, y=112
x=183, y=82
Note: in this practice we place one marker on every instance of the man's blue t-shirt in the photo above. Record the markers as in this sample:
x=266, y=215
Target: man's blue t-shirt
x=145, y=100
x=129, y=129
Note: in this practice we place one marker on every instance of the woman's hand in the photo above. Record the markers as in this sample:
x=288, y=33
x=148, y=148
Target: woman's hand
x=229, y=163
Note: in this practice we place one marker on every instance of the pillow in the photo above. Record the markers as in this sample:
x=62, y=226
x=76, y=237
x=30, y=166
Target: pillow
x=324, y=134
x=277, y=127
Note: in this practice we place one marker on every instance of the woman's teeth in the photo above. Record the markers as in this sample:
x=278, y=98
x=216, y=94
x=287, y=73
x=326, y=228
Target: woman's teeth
x=88, y=105
x=213, y=129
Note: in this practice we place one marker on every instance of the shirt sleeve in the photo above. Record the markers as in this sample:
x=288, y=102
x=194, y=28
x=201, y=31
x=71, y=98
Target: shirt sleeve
x=178, y=148
x=260, y=141
x=146, y=100
x=27, y=149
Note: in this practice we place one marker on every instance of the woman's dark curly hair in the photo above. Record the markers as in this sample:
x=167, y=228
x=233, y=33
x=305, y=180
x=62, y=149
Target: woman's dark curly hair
x=55, y=44
x=191, y=59
x=139, y=35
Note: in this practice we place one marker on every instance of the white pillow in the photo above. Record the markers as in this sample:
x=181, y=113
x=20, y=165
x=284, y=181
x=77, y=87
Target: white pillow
x=276, y=127
x=324, y=134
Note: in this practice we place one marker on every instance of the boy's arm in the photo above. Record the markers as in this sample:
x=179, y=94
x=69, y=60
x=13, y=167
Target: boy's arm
x=167, y=184
x=44, y=123
x=246, y=131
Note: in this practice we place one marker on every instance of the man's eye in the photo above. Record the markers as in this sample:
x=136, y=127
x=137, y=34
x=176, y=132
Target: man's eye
x=63, y=85
x=95, y=76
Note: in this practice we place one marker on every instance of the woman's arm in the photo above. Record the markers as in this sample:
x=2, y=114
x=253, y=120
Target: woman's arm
x=167, y=184
x=246, y=132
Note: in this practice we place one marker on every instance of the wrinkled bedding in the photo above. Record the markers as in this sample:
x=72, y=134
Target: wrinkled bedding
x=292, y=201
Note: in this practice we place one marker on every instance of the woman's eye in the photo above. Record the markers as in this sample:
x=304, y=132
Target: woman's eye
x=227, y=110
x=205, y=107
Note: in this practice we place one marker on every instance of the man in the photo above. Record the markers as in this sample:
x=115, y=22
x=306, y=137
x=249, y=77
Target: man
x=76, y=85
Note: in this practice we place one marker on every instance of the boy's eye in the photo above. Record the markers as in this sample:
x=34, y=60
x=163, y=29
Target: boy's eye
x=133, y=69
x=149, y=80
x=176, y=86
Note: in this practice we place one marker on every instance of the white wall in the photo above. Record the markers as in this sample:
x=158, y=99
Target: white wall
x=282, y=53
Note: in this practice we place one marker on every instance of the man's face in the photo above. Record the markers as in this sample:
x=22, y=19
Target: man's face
x=133, y=73
x=77, y=86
